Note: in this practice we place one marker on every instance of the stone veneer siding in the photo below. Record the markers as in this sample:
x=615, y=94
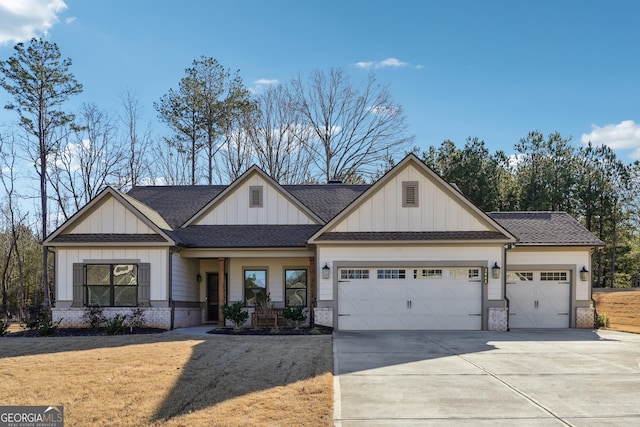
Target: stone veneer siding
x=498, y=319
x=585, y=317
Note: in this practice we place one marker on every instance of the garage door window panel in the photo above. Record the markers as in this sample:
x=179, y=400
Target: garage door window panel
x=555, y=276
x=429, y=273
x=354, y=274
x=391, y=274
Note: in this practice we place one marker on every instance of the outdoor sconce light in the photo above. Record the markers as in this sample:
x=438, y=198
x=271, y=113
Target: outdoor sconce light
x=199, y=278
x=326, y=271
x=584, y=274
x=495, y=271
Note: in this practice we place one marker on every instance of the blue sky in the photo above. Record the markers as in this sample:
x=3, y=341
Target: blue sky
x=488, y=69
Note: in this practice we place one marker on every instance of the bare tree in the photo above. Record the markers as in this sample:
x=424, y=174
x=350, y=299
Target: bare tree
x=91, y=158
x=171, y=166
x=137, y=143
x=356, y=126
x=279, y=139
x=40, y=82
x=237, y=151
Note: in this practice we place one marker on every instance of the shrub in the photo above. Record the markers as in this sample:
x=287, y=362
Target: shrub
x=116, y=324
x=4, y=326
x=137, y=319
x=94, y=316
x=35, y=317
x=236, y=313
x=296, y=315
x=48, y=328
x=602, y=321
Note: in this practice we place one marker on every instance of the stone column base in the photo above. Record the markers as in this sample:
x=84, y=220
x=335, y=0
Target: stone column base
x=498, y=319
x=323, y=316
x=585, y=317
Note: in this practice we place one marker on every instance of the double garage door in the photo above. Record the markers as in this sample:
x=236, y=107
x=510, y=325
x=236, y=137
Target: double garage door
x=421, y=298
x=538, y=299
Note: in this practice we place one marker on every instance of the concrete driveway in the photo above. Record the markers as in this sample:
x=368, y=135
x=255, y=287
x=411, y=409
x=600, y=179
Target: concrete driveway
x=524, y=377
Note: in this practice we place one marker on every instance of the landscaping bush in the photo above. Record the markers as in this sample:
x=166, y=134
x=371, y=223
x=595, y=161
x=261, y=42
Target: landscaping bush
x=35, y=317
x=236, y=313
x=602, y=320
x=296, y=315
x=137, y=318
x=94, y=316
x=4, y=326
x=116, y=324
x=48, y=328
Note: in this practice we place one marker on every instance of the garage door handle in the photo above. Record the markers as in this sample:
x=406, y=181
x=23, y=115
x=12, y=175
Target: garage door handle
x=340, y=315
x=563, y=314
x=475, y=314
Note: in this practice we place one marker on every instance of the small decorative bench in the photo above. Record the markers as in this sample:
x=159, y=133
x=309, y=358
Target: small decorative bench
x=267, y=317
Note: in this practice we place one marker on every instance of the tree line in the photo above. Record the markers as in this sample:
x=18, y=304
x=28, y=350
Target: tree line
x=315, y=128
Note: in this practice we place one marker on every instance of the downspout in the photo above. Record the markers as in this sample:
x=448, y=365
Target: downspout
x=507, y=247
x=172, y=304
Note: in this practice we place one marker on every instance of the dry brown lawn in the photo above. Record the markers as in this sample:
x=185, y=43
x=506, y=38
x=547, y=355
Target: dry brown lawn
x=173, y=380
x=622, y=308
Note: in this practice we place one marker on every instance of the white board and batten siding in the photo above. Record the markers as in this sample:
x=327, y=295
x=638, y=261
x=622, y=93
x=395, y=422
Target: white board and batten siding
x=437, y=210
x=234, y=208
x=111, y=216
x=67, y=256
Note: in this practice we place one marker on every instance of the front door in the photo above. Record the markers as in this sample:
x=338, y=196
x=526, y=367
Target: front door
x=212, y=297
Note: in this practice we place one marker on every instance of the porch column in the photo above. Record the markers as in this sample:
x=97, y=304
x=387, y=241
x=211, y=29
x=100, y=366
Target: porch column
x=221, y=289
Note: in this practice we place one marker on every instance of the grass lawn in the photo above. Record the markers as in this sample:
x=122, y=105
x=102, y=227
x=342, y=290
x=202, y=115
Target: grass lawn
x=173, y=380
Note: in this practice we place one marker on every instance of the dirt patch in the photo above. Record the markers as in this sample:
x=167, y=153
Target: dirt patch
x=173, y=380
x=622, y=308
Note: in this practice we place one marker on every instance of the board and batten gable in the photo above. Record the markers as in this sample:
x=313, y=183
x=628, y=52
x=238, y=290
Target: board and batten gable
x=436, y=208
x=234, y=208
x=109, y=216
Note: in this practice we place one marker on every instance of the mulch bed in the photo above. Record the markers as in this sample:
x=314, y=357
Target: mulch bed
x=85, y=332
x=315, y=330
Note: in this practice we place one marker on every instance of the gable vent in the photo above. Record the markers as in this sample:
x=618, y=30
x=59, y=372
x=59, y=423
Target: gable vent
x=410, y=194
x=255, y=196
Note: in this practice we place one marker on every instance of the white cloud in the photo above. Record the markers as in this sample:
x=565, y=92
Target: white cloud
x=21, y=20
x=386, y=63
x=624, y=135
x=261, y=83
x=70, y=20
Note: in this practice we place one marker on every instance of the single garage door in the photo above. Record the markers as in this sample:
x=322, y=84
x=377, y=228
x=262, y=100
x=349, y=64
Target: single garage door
x=410, y=298
x=538, y=299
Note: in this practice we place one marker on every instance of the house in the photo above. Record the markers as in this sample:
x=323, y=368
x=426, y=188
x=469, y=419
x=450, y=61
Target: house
x=408, y=252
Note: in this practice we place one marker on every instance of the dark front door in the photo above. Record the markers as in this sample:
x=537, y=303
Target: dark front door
x=212, y=297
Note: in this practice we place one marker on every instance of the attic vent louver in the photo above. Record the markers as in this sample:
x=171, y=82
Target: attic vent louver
x=410, y=194
x=255, y=196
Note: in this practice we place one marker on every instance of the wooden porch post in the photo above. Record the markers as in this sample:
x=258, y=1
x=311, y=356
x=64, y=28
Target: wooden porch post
x=221, y=289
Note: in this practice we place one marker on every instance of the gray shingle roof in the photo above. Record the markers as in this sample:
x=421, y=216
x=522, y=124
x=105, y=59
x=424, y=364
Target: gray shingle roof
x=545, y=228
x=178, y=203
x=328, y=200
x=245, y=236
x=415, y=236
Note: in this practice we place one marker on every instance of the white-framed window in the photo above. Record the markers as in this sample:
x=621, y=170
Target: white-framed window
x=255, y=286
x=111, y=285
x=410, y=194
x=391, y=274
x=554, y=276
x=295, y=287
x=255, y=196
x=346, y=274
x=428, y=273
x=519, y=276
x=464, y=273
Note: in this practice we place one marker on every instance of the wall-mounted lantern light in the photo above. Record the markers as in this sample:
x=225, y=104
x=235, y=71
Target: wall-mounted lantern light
x=199, y=277
x=584, y=274
x=326, y=271
x=495, y=271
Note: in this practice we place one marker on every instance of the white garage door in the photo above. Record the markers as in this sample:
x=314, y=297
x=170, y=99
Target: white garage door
x=410, y=298
x=538, y=299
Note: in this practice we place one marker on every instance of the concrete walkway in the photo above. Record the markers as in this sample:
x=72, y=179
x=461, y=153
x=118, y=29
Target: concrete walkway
x=563, y=377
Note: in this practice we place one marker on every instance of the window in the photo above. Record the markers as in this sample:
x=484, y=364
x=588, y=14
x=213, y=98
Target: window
x=255, y=196
x=428, y=273
x=464, y=273
x=354, y=274
x=519, y=276
x=555, y=276
x=391, y=274
x=255, y=287
x=113, y=285
x=410, y=194
x=295, y=288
